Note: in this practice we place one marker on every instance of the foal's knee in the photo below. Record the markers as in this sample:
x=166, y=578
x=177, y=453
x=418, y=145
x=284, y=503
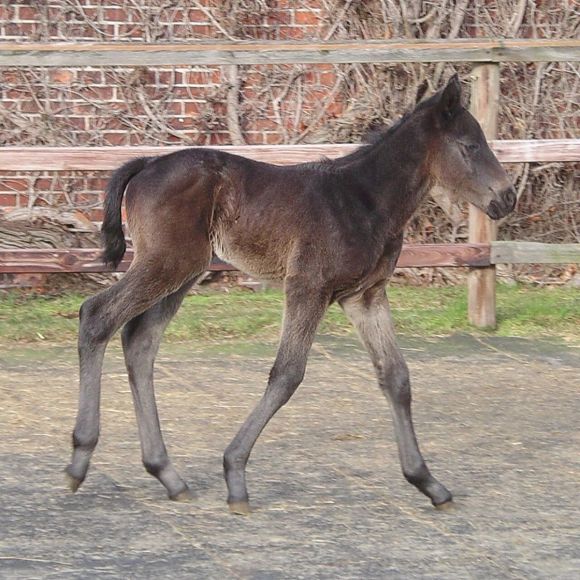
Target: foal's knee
x=92, y=326
x=285, y=379
x=394, y=381
x=155, y=465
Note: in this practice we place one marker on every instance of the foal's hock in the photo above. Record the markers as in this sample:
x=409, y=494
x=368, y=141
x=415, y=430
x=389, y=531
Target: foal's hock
x=331, y=230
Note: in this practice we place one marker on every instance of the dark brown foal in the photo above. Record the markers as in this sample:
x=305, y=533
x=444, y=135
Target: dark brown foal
x=331, y=230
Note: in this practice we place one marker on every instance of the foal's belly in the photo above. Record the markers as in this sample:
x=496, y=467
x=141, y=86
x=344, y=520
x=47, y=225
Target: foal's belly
x=251, y=254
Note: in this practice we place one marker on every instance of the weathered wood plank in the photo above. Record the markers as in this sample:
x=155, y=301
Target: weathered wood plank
x=481, y=282
x=534, y=253
x=107, y=158
x=274, y=52
x=536, y=150
x=412, y=256
x=87, y=260
x=447, y=255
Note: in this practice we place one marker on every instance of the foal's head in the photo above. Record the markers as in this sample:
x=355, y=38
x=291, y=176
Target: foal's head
x=462, y=161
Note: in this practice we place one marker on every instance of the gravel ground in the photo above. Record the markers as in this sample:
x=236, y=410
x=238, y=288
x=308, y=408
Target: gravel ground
x=497, y=419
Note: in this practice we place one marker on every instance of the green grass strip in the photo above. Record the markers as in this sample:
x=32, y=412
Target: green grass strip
x=245, y=316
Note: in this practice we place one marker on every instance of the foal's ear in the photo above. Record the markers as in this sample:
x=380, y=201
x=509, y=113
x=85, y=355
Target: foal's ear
x=450, y=99
x=421, y=90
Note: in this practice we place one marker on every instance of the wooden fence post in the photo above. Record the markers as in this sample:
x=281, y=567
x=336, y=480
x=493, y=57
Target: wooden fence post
x=481, y=281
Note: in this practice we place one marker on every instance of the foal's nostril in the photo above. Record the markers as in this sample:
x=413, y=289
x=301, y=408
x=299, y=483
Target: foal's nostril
x=493, y=210
x=509, y=196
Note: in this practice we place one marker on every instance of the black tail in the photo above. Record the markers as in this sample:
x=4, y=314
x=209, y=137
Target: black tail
x=112, y=235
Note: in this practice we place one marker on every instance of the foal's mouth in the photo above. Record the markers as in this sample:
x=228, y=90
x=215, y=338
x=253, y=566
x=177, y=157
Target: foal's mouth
x=503, y=204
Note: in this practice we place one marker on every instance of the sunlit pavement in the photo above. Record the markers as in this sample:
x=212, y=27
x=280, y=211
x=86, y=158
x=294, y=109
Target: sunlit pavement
x=497, y=421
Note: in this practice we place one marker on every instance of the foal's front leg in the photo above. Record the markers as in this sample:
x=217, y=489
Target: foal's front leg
x=303, y=311
x=370, y=314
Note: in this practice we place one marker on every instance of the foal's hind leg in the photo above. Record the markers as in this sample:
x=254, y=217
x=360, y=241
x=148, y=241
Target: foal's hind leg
x=100, y=317
x=141, y=337
x=304, y=310
x=370, y=314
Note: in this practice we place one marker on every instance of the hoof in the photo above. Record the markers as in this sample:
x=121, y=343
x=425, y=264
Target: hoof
x=240, y=508
x=447, y=506
x=72, y=482
x=184, y=495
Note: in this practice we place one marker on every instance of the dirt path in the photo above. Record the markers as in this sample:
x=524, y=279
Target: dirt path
x=498, y=420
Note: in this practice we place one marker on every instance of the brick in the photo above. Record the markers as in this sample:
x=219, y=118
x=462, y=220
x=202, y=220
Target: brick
x=189, y=92
x=276, y=17
x=131, y=31
x=85, y=109
x=13, y=184
x=116, y=14
x=291, y=32
x=180, y=123
x=6, y=13
x=327, y=78
x=191, y=108
x=310, y=76
x=265, y=125
x=106, y=123
x=195, y=15
x=222, y=138
x=16, y=94
x=21, y=30
x=96, y=183
x=95, y=215
x=14, y=76
x=198, y=30
x=62, y=76
x=166, y=77
x=272, y=138
x=335, y=109
x=174, y=108
x=116, y=138
x=8, y=200
x=84, y=198
x=43, y=184
x=137, y=139
x=27, y=13
x=100, y=93
x=90, y=77
x=306, y=17
x=199, y=78
x=75, y=123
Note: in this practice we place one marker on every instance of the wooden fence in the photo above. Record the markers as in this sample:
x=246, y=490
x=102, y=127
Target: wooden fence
x=481, y=253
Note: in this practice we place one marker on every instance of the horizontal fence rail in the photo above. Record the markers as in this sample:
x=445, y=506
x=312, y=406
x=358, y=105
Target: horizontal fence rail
x=107, y=158
x=276, y=52
x=77, y=260
x=88, y=260
x=534, y=253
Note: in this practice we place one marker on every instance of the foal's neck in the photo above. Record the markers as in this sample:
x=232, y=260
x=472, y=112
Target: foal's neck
x=396, y=171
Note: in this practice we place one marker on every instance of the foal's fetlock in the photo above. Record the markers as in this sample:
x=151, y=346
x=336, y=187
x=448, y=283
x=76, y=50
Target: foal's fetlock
x=177, y=489
x=422, y=479
x=76, y=471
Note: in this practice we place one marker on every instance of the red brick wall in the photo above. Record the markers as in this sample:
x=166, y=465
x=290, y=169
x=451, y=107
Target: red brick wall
x=132, y=105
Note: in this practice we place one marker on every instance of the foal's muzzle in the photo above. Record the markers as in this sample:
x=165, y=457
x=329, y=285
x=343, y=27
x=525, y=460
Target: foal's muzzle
x=503, y=205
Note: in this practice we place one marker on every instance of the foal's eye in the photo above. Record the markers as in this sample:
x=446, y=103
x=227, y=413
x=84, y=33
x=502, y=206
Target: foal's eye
x=472, y=147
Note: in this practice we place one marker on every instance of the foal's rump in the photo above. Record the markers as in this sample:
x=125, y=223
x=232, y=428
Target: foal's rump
x=170, y=202
x=182, y=206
